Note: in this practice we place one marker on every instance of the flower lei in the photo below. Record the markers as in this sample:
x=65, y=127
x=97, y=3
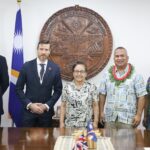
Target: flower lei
x=117, y=80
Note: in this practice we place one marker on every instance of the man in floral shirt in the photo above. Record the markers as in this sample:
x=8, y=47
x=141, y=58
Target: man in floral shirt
x=122, y=93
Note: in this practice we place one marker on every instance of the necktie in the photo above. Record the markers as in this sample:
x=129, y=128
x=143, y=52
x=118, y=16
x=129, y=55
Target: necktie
x=42, y=70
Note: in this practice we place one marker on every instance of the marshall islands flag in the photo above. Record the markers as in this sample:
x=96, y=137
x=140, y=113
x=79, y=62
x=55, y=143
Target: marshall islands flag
x=15, y=107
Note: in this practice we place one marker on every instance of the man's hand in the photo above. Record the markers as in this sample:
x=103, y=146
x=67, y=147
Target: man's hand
x=136, y=120
x=43, y=107
x=36, y=108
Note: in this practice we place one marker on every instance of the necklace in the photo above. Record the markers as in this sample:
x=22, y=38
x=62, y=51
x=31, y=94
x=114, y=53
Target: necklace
x=119, y=80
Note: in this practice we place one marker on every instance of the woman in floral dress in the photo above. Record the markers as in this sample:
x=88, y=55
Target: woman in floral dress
x=79, y=100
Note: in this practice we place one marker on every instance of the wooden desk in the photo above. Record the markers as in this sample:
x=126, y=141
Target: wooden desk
x=44, y=138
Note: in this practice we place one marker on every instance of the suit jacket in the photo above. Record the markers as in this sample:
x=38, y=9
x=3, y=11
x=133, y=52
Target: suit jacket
x=48, y=92
x=4, y=81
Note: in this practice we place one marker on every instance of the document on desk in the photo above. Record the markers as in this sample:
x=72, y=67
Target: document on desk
x=67, y=142
x=146, y=148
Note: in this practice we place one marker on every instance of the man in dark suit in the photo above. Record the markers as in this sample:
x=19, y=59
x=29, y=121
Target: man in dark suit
x=43, y=84
x=4, y=82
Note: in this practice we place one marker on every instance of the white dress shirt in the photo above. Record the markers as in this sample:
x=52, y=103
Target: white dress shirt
x=39, y=68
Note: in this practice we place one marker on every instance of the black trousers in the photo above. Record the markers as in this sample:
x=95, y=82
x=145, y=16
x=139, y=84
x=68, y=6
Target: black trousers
x=0, y=120
x=30, y=119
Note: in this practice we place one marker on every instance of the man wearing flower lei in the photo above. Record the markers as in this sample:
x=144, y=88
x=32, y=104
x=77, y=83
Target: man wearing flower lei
x=122, y=93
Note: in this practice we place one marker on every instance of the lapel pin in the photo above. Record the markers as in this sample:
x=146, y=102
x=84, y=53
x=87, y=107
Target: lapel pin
x=49, y=68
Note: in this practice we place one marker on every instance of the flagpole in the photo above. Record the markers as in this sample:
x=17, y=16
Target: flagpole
x=19, y=2
x=15, y=106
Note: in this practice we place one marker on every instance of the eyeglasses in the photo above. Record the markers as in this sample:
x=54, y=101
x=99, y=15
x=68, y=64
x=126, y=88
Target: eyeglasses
x=79, y=71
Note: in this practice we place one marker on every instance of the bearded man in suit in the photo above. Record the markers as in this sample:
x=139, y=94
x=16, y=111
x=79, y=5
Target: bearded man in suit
x=43, y=87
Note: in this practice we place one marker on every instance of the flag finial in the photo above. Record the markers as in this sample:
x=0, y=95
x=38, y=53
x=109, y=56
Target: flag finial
x=19, y=1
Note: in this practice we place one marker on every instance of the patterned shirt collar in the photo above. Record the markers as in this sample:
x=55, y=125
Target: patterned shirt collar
x=123, y=72
x=75, y=87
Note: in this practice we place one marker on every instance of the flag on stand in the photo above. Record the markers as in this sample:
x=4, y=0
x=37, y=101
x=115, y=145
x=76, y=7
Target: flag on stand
x=90, y=132
x=15, y=106
x=81, y=143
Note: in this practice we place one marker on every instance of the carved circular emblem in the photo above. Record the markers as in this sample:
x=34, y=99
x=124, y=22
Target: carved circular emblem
x=78, y=34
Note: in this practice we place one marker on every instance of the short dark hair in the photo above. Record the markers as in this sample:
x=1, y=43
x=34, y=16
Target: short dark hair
x=43, y=42
x=120, y=47
x=79, y=63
